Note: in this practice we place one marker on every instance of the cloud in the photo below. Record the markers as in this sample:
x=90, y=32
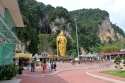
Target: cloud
x=115, y=8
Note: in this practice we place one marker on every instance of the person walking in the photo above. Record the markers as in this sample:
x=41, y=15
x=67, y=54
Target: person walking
x=32, y=66
x=54, y=66
x=28, y=66
x=44, y=67
x=21, y=69
x=49, y=66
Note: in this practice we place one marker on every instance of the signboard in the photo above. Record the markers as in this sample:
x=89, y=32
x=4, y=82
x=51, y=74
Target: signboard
x=50, y=56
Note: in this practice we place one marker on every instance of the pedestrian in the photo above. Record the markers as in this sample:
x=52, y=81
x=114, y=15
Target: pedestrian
x=32, y=66
x=21, y=69
x=49, y=66
x=28, y=66
x=71, y=61
x=44, y=67
x=41, y=64
x=54, y=66
x=63, y=61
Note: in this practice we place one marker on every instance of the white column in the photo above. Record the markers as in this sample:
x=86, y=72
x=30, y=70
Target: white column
x=110, y=57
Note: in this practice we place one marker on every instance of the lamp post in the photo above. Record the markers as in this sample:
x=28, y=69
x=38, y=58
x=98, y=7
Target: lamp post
x=76, y=36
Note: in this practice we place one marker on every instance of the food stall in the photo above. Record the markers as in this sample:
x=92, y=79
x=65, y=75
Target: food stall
x=23, y=59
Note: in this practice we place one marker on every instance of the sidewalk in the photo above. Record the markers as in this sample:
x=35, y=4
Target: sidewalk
x=67, y=73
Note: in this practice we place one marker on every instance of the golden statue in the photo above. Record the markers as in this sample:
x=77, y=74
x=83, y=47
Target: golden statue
x=61, y=43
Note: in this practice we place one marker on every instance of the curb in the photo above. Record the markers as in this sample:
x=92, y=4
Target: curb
x=57, y=72
x=11, y=81
x=104, y=78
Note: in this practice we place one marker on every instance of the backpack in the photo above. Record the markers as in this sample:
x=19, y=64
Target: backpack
x=32, y=64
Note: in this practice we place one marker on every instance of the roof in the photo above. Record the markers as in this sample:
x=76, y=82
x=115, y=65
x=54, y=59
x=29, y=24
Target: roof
x=111, y=53
x=14, y=10
x=22, y=55
x=89, y=55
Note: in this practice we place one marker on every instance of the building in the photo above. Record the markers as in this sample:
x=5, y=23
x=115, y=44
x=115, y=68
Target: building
x=10, y=18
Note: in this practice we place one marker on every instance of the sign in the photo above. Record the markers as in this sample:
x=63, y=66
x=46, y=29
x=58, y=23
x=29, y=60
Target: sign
x=50, y=56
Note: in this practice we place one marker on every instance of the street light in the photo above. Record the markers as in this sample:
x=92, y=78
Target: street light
x=76, y=36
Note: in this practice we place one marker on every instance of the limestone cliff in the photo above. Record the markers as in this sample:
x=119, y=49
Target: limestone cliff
x=58, y=24
x=106, y=30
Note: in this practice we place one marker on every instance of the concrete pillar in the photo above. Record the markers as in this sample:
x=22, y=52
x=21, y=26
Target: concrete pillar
x=98, y=57
x=106, y=57
x=122, y=56
x=110, y=57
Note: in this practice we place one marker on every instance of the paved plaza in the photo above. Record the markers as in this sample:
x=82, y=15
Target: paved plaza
x=68, y=73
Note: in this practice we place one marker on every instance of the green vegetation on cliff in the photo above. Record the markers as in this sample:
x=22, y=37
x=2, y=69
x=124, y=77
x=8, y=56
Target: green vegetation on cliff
x=87, y=21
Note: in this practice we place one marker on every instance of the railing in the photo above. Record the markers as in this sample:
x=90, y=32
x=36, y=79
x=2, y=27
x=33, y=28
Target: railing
x=10, y=33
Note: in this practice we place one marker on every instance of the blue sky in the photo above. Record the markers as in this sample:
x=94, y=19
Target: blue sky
x=115, y=8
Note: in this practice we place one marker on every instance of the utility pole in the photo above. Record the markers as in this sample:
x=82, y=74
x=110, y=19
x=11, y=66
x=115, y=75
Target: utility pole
x=76, y=36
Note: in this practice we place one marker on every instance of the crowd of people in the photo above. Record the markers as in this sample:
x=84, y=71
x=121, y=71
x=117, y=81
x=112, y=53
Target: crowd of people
x=45, y=66
x=51, y=65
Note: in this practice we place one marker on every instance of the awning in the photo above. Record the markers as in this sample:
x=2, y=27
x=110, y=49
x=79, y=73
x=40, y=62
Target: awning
x=14, y=10
x=88, y=55
x=22, y=55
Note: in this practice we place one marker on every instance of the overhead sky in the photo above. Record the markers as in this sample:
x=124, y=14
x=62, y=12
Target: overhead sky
x=115, y=8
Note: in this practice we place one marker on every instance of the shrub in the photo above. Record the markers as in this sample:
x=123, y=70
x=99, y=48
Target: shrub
x=8, y=71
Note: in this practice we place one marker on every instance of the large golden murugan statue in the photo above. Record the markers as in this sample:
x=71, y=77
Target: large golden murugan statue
x=61, y=43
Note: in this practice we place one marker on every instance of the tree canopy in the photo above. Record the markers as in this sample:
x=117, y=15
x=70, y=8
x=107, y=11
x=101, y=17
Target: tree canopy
x=87, y=22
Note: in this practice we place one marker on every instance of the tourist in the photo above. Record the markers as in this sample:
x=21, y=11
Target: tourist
x=28, y=66
x=44, y=67
x=49, y=66
x=54, y=66
x=63, y=61
x=21, y=69
x=32, y=66
x=71, y=61
x=41, y=63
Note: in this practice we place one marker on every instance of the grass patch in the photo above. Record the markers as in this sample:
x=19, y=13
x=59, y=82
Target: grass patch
x=115, y=73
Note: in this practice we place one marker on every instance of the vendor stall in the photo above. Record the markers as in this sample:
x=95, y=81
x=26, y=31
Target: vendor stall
x=23, y=59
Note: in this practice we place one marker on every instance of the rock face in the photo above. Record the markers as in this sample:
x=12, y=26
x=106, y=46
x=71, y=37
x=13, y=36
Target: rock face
x=51, y=28
x=21, y=48
x=46, y=27
x=43, y=25
x=59, y=24
x=106, y=30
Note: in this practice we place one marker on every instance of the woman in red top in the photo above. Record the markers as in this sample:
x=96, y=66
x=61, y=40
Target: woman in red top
x=44, y=67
